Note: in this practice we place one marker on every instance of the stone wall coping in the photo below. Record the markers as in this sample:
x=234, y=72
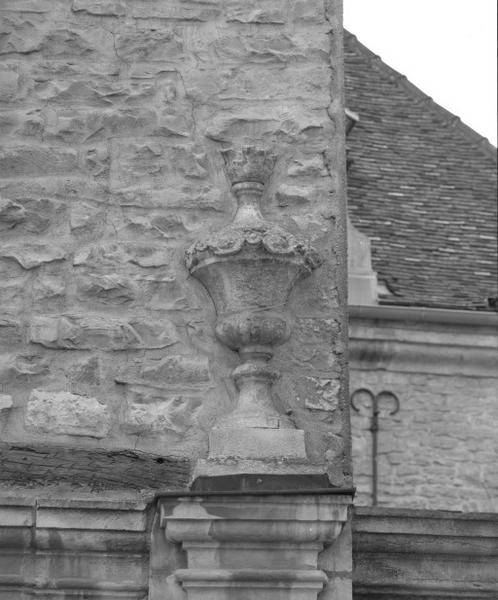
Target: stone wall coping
x=418, y=513
x=424, y=315
x=73, y=500
x=416, y=553
x=82, y=514
x=388, y=524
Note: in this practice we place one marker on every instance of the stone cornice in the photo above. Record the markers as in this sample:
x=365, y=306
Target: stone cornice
x=66, y=547
x=423, y=341
x=423, y=553
x=424, y=315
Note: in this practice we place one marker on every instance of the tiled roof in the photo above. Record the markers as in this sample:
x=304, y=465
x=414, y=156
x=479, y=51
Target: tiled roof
x=422, y=186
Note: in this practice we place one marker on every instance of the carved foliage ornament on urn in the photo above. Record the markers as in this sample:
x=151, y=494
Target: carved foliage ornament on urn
x=249, y=269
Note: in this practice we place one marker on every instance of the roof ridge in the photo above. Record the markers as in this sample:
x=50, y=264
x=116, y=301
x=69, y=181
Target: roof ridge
x=448, y=118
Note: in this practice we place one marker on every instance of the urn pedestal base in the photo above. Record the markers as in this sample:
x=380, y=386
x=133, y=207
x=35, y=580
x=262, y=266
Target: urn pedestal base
x=257, y=443
x=250, y=546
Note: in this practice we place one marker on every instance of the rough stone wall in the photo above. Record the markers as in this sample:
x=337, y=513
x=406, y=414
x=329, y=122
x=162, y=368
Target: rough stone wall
x=112, y=117
x=440, y=451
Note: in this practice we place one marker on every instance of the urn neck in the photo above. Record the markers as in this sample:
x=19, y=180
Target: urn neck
x=248, y=194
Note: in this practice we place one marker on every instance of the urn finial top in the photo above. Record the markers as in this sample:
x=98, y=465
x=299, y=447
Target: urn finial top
x=248, y=163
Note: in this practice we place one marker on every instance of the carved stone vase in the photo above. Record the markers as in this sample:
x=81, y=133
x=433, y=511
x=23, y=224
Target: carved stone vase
x=249, y=269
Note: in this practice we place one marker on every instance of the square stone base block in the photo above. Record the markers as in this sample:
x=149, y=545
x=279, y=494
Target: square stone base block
x=251, y=546
x=257, y=443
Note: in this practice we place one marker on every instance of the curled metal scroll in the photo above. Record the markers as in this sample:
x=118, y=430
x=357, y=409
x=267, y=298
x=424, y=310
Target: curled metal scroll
x=375, y=406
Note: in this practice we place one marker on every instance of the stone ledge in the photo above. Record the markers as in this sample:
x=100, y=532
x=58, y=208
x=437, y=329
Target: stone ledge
x=92, y=548
x=409, y=554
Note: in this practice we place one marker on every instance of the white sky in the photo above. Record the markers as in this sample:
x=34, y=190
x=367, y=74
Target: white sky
x=447, y=48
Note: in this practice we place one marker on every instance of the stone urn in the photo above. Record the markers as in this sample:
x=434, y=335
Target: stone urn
x=249, y=269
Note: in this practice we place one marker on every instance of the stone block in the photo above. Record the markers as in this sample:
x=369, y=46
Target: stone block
x=108, y=254
x=28, y=364
x=248, y=82
x=32, y=215
x=22, y=34
x=11, y=214
x=32, y=161
x=88, y=332
x=12, y=291
x=63, y=413
x=291, y=195
x=307, y=166
x=48, y=287
x=71, y=41
x=5, y=404
x=10, y=330
x=150, y=44
x=182, y=370
x=287, y=121
x=257, y=443
x=175, y=10
x=106, y=288
x=84, y=218
x=96, y=161
x=260, y=46
x=155, y=163
x=163, y=292
x=30, y=256
x=273, y=12
x=8, y=84
x=173, y=414
x=107, y=8
x=319, y=393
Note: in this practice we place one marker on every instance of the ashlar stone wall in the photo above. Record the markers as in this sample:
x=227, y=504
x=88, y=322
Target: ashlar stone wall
x=440, y=450
x=112, y=115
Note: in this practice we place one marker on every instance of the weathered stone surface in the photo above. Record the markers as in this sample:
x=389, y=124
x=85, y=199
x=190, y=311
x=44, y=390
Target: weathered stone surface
x=27, y=364
x=107, y=255
x=154, y=163
x=85, y=218
x=10, y=331
x=8, y=84
x=283, y=556
x=112, y=8
x=258, y=12
x=62, y=413
x=172, y=414
x=181, y=11
x=320, y=393
x=5, y=403
x=27, y=161
x=114, y=288
x=107, y=175
x=48, y=287
x=292, y=195
x=178, y=370
x=11, y=214
x=439, y=450
x=31, y=215
x=151, y=44
x=32, y=255
x=391, y=553
x=308, y=166
x=84, y=332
